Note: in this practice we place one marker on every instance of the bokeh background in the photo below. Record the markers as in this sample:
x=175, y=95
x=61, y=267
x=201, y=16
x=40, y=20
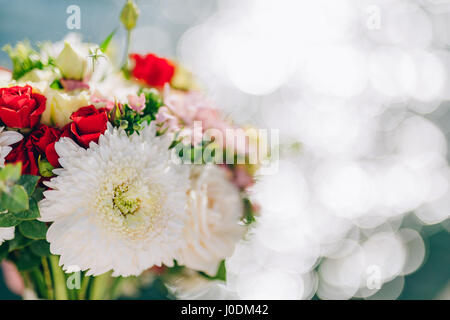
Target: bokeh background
x=359, y=92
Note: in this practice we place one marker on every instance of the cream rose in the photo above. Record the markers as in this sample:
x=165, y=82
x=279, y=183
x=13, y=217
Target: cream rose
x=60, y=105
x=213, y=219
x=72, y=63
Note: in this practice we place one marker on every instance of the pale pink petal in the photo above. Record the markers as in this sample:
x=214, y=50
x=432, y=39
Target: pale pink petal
x=13, y=279
x=70, y=85
x=137, y=103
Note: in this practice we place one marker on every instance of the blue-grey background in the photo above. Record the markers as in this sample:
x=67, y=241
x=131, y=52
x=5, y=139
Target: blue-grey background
x=43, y=20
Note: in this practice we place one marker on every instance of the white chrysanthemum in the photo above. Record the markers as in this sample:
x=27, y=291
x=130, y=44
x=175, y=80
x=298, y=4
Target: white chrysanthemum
x=7, y=138
x=118, y=205
x=6, y=234
x=213, y=225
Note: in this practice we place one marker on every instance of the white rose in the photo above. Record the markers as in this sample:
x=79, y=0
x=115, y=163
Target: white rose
x=60, y=106
x=37, y=75
x=71, y=62
x=213, y=226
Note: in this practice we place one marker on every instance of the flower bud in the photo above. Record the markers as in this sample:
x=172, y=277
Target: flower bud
x=45, y=168
x=129, y=15
x=71, y=63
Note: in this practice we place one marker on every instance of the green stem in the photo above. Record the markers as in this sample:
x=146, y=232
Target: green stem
x=127, y=50
x=59, y=279
x=38, y=280
x=84, y=287
x=100, y=286
x=48, y=279
x=113, y=291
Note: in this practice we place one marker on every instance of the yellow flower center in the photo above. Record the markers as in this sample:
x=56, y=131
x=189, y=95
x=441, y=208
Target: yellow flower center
x=124, y=201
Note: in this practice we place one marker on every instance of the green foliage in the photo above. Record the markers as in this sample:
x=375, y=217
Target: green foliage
x=29, y=182
x=33, y=229
x=105, y=43
x=153, y=101
x=30, y=214
x=8, y=219
x=19, y=242
x=249, y=216
x=24, y=59
x=14, y=199
x=10, y=173
x=130, y=120
x=56, y=84
x=19, y=197
x=220, y=275
x=40, y=248
x=4, y=249
x=27, y=260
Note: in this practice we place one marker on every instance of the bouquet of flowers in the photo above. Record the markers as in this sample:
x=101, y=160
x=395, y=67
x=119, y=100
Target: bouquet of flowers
x=113, y=175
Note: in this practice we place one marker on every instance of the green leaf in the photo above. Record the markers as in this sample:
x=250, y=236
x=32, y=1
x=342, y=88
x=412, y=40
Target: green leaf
x=33, y=229
x=30, y=214
x=29, y=182
x=249, y=216
x=11, y=172
x=19, y=242
x=153, y=101
x=4, y=249
x=104, y=45
x=27, y=261
x=15, y=199
x=38, y=194
x=40, y=248
x=8, y=219
x=56, y=84
x=220, y=275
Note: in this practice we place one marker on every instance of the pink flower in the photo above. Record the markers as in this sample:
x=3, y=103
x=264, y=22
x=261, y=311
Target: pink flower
x=70, y=85
x=166, y=120
x=12, y=277
x=185, y=110
x=101, y=102
x=137, y=103
x=183, y=105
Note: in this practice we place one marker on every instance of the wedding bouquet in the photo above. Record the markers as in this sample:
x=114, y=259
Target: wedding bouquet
x=113, y=175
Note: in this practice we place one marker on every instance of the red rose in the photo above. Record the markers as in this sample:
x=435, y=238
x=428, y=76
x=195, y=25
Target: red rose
x=20, y=107
x=88, y=124
x=155, y=71
x=50, y=151
x=24, y=152
x=42, y=136
x=43, y=139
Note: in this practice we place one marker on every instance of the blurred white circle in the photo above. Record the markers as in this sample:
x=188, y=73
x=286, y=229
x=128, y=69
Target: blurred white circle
x=390, y=69
x=427, y=80
x=255, y=65
x=415, y=248
x=343, y=187
x=284, y=194
x=270, y=285
x=337, y=70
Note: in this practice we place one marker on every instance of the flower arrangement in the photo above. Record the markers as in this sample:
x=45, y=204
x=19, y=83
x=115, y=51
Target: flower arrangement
x=111, y=175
